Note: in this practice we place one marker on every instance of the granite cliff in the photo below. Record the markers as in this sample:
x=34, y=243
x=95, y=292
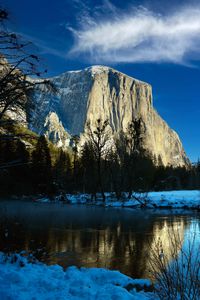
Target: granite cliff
x=103, y=92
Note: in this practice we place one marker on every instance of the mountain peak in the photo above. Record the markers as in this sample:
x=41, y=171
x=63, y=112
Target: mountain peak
x=99, y=69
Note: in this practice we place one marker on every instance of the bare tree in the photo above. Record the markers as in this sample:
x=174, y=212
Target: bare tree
x=135, y=135
x=176, y=269
x=17, y=65
x=98, y=139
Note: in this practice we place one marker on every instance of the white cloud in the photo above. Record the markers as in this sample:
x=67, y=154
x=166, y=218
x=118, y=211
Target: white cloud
x=140, y=36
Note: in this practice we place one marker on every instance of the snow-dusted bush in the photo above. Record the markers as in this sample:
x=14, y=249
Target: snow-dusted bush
x=176, y=268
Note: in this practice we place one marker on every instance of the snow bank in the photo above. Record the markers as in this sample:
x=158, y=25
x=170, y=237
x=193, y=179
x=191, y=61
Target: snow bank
x=25, y=279
x=165, y=199
x=176, y=198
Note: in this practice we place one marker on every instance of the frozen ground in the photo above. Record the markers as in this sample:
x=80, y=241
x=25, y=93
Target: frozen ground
x=165, y=199
x=21, y=279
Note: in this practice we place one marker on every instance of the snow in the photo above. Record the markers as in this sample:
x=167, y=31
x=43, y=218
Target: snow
x=178, y=199
x=22, y=278
x=97, y=69
x=66, y=90
x=164, y=199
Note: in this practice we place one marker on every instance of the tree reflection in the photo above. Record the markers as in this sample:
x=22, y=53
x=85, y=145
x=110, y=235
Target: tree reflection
x=90, y=237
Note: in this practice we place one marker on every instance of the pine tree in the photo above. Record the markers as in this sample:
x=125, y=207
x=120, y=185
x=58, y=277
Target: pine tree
x=89, y=170
x=41, y=164
x=62, y=170
x=134, y=139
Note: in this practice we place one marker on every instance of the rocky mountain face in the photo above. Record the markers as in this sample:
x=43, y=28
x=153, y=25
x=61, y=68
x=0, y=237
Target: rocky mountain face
x=102, y=92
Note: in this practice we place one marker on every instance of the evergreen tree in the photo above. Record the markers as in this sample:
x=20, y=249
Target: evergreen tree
x=41, y=165
x=114, y=176
x=75, y=165
x=62, y=170
x=134, y=138
x=89, y=170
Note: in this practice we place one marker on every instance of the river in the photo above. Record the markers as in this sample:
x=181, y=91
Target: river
x=89, y=236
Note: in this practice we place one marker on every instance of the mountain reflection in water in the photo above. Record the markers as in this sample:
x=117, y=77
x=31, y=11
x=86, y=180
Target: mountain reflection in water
x=89, y=236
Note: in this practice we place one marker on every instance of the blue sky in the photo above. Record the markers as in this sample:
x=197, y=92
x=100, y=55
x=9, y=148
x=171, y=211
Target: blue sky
x=153, y=40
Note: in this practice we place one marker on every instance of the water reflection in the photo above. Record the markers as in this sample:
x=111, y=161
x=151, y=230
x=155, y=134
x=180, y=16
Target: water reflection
x=88, y=236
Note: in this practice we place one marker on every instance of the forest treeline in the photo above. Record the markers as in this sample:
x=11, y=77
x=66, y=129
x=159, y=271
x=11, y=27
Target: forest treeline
x=30, y=164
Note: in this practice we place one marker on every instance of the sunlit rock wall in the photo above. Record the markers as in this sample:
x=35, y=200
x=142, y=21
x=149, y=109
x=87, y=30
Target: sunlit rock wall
x=106, y=93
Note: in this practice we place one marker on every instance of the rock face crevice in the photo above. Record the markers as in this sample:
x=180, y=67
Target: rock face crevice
x=102, y=92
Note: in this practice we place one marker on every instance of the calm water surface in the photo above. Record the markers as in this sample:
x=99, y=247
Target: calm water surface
x=89, y=236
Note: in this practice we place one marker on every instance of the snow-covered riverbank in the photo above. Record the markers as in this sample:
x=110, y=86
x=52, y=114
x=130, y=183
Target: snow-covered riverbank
x=188, y=199
x=21, y=279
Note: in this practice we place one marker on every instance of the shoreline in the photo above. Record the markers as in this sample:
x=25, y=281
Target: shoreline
x=170, y=200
